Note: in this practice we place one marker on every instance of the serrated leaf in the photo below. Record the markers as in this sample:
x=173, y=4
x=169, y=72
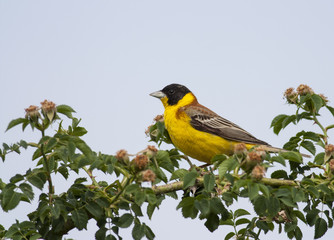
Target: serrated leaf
x=94, y=209
x=209, y=182
x=27, y=190
x=309, y=146
x=203, y=206
x=260, y=205
x=264, y=189
x=125, y=220
x=16, y=122
x=320, y=228
x=279, y=174
x=317, y=102
x=10, y=199
x=189, y=179
x=179, y=174
x=37, y=179
x=277, y=123
x=212, y=222
x=229, y=236
x=312, y=216
x=253, y=190
x=79, y=218
x=273, y=205
x=331, y=109
x=140, y=197
x=226, y=166
x=16, y=178
x=242, y=221
x=65, y=110
x=138, y=231
x=148, y=232
x=240, y=212
x=292, y=156
x=319, y=158
x=312, y=136
x=288, y=120
x=52, y=142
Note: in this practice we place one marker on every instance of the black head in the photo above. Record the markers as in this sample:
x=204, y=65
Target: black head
x=175, y=92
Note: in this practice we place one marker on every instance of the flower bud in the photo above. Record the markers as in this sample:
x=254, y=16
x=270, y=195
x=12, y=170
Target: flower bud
x=49, y=109
x=303, y=89
x=32, y=113
x=240, y=149
x=291, y=96
x=141, y=162
x=159, y=118
x=258, y=172
x=331, y=165
x=122, y=156
x=148, y=176
x=151, y=151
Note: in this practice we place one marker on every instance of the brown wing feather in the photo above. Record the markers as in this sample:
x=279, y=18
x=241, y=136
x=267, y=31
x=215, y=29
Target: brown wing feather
x=203, y=119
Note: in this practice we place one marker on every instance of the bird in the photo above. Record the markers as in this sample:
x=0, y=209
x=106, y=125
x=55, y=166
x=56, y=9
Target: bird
x=199, y=132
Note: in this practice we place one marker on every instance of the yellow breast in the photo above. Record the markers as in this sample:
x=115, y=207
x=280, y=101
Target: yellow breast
x=196, y=144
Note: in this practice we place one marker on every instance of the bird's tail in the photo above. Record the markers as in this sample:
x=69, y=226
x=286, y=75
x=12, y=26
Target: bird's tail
x=278, y=150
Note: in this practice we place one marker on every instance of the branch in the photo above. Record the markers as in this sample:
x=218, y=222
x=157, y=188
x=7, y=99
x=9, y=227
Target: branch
x=176, y=186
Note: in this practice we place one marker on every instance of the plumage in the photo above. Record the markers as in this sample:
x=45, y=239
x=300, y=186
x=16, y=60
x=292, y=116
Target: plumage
x=196, y=130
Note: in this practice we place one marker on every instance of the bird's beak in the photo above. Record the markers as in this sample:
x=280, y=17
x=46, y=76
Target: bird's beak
x=158, y=94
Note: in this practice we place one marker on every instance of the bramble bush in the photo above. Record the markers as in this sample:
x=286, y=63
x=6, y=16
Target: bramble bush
x=301, y=190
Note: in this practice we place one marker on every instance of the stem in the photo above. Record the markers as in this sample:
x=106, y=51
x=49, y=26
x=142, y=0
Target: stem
x=46, y=164
x=95, y=183
x=321, y=127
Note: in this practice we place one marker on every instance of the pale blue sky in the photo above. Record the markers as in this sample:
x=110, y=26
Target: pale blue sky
x=103, y=58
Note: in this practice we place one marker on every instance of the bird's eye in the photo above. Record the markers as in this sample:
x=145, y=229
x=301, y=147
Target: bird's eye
x=171, y=92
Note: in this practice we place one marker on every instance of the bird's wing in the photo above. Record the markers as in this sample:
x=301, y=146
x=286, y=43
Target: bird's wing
x=203, y=119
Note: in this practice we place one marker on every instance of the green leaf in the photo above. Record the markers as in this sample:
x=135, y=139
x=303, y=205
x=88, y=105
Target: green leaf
x=10, y=199
x=137, y=210
x=260, y=205
x=227, y=165
x=265, y=190
x=51, y=144
x=312, y=216
x=331, y=109
x=27, y=190
x=309, y=146
x=66, y=110
x=188, y=208
x=148, y=232
x=253, y=190
x=132, y=188
x=229, y=236
x=203, y=206
x=125, y=220
x=289, y=227
x=140, y=197
x=79, y=218
x=94, y=209
x=277, y=123
x=212, y=222
x=190, y=179
x=298, y=234
x=312, y=136
x=138, y=231
x=179, y=174
x=240, y=212
x=273, y=205
x=37, y=179
x=278, y=159
x=209, y=182
x=288, y=120
x=15, y=122
x=317, y=102
x=319, y=158
x=292, y=156
x=16, y=178
x=300, y=215
x=313, y=191
x=242, y=221
x=279, y=174
x=320, y=228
